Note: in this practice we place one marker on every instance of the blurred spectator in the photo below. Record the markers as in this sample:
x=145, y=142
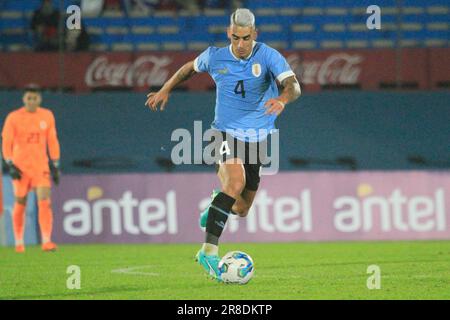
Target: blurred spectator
x=222, y=4
x=112, y=5
x=191, y=5
x=92, y=7
x=235, y=4
x=213, y=4
x=44, y=24
x=144, y=6
x=170, y=5
x=77, y=40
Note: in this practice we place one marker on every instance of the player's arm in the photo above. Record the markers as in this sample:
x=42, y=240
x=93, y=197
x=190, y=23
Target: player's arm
x=53, y=150
x=8, y=134
x=290, y=92
x=162, y=96
x=8, y=138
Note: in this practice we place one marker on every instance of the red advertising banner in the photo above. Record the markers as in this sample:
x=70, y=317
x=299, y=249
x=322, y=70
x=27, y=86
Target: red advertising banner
x=368, y=69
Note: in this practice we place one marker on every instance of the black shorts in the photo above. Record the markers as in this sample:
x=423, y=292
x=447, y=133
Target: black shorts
x=251, y=154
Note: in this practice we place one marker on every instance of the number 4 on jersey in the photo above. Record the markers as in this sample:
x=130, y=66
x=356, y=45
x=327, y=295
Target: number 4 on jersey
x=224, y=148
x=239, y=89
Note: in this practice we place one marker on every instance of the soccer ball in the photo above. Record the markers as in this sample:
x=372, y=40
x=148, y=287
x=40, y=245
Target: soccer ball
x=236, y=267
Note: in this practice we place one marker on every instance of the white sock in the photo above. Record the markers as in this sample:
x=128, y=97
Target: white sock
x=210, y=249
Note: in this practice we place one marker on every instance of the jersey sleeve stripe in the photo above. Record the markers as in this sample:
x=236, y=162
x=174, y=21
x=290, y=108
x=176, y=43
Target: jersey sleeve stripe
x=285, y=75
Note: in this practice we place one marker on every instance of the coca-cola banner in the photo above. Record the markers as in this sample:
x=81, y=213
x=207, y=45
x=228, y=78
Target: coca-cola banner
x=316, y=206
x=368, y=69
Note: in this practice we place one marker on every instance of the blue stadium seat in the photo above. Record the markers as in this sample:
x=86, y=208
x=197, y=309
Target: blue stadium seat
x=31, y=5
x=106, y=22
x=380, y=3
x=269, y=36
x=14, y=23
x=256, y=4
x=201, y=36
x=142, y=38
x=328, y=24
x=215, y=20
x=285, y=21
x=307, y=36
x=16, y=38
x=432, y=2
x=109, y=39
x=20, y=5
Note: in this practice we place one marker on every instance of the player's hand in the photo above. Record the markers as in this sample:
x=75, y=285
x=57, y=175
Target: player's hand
x=55, y=171
x=14, y=172
x=156, y=98
x=274, y=106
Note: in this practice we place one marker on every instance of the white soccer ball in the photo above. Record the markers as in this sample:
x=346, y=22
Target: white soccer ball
x=236, y=267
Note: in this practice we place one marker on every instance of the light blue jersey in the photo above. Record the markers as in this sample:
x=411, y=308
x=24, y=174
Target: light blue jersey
x=243, y=86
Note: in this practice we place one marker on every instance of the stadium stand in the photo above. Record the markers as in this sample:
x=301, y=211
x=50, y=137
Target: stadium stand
x=286, y=24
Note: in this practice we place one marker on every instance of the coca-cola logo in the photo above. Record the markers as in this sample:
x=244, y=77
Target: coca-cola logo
x=146, y=71
x=339, y=68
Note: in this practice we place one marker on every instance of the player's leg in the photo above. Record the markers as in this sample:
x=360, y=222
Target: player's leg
x=240, y=208
x=224, y=177
x=19, y=222
x=43, y=193
x=204, y=214
x=252, y=178
x=223, y=142
x=232, y=178
x=243, y=203
x=21, y=188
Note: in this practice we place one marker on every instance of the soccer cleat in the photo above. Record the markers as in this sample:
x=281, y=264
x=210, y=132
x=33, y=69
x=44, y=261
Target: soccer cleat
x=49, y=246
x=204, y=214
x=203, y=218
x=20, y=248
x=210, y=263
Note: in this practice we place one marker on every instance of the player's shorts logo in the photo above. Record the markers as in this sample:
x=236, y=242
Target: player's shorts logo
x=256, y=69
x=43, y=125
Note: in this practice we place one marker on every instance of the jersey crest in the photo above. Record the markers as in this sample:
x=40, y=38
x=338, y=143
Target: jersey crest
x=256, y=69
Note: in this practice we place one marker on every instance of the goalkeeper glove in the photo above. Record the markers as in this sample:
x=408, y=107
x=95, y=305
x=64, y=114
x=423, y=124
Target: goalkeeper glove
x=55, y=171
x=14, y=172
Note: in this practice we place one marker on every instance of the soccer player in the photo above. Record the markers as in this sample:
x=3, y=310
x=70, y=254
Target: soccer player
x=246, y=74
x=27, y=133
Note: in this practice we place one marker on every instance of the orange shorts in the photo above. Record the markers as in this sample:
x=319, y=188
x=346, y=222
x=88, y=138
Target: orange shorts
x=28, y=182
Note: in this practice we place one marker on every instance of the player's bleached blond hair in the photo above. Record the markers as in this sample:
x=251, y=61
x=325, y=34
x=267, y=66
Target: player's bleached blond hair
x=242, y=18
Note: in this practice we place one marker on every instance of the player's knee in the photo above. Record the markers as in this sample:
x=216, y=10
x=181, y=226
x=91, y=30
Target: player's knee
x=43, y=193
x=21, y=200
x=234, y=187
x=44, y=197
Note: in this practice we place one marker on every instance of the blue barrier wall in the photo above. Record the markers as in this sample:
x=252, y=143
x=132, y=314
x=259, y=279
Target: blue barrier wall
x=31, y=219
x=380, y=130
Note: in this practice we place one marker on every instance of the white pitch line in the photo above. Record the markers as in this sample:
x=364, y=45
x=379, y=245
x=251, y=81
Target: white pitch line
x=132, y=270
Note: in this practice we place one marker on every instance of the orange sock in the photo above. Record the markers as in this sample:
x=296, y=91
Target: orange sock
x=18, y=222
x=45, y=219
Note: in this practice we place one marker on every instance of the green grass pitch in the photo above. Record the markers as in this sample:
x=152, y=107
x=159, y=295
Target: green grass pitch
x=338, y=270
